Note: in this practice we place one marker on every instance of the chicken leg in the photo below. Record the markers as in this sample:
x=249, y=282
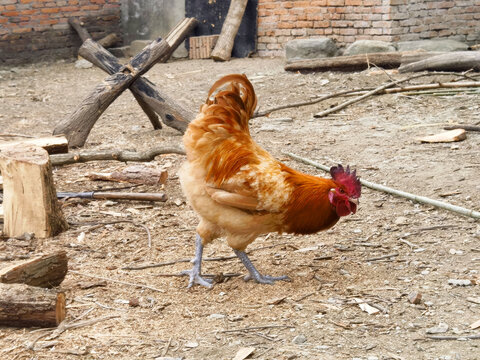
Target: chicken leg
x=254, y=274
x=195, y=272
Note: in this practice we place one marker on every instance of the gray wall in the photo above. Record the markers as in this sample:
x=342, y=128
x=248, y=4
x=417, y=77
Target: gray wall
x=149, y=19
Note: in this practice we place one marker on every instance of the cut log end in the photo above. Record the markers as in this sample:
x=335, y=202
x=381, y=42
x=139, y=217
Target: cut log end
x=28, y=306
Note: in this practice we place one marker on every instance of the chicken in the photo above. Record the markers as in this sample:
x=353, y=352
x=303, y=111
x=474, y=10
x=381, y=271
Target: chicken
x=240, y=191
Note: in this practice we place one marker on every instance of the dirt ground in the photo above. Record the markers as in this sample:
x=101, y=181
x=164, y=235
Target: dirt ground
x=316, y=315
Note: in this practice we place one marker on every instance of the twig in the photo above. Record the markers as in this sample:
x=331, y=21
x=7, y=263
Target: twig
x=388, y=256
x=257, y=328
x=441, y=337
x=64, y=326
x=99, y=225
x=116, y=281
x=167, y=346
x=310, y=102
x=119, y=155
x=366, y=95
x=417, y=198
x=464, y=127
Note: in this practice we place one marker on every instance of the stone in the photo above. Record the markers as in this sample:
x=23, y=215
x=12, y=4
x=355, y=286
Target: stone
x=83, y=64
x=439, y=329
x=300, y=49
x=368, y=46
x=441, y=45
x=299, y=339
x=414, y=297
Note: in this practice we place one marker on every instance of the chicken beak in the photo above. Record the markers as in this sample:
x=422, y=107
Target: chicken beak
x=354, y=201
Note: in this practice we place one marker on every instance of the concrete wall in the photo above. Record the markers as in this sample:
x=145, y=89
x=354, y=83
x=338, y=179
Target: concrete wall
x=34, y=30
x=150, y=19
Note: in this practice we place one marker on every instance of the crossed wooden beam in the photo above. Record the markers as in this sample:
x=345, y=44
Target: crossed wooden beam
x=78, y=125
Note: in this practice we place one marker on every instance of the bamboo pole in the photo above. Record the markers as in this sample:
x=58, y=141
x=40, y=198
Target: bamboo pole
x=417, y=198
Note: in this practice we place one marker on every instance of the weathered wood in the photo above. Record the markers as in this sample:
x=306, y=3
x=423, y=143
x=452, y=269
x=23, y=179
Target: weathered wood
x=30, y=200
x=133, y=174
x=172, y=113
x=224, y=45
x=118, y=155
x=26, y=306
x=78, y=27
x=348, y=63
x=109, y=40
x=83, y=33
x=409, y=57
x=43, y=271
x=52, y=144
x=102, y=43
x=77, y=126
x=452, y=61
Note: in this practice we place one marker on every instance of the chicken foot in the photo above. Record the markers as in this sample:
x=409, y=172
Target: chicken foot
x=254, y=273
x=195, y=272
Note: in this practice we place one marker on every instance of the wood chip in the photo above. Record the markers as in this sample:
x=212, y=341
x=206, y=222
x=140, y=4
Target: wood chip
x=367, y=308
x=447, y=136
x=276, y=301
x=243, y=353
x=475, y=300
x=475, y=325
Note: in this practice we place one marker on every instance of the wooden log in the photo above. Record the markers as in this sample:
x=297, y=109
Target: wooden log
x=452, y=61
x=109, y=40
x=43, y=271
x=133, y=174
x=171, y=112
x=77, y=126
x=83, y=33
x=30, y=200
x=26, y=306
x=224, y=46
x=52, y=144
x=78, y=27
x=348, y=63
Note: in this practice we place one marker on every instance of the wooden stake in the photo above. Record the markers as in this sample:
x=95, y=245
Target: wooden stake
x=43, y=271
x=25, y=306
x=451, y=61
x=224, y=46
x=78, y=125
x=30, y=199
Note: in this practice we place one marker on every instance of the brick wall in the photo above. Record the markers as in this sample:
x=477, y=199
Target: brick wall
x=425, y=19
x=349, y=20
x=33, y=30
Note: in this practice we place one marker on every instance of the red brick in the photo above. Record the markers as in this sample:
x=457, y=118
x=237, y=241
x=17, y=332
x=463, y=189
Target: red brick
x=50, y=10
x=10, y=13
x=353, y=2
x=21, y=30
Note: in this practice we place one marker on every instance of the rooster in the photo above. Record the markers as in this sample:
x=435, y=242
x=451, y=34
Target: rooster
x=240, y=191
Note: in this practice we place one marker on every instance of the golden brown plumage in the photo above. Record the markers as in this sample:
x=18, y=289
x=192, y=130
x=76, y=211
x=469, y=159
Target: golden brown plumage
x=239, y=190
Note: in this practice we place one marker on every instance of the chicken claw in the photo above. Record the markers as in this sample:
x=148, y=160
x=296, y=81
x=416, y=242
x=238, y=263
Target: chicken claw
x=254, y=274
x=195, y=272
